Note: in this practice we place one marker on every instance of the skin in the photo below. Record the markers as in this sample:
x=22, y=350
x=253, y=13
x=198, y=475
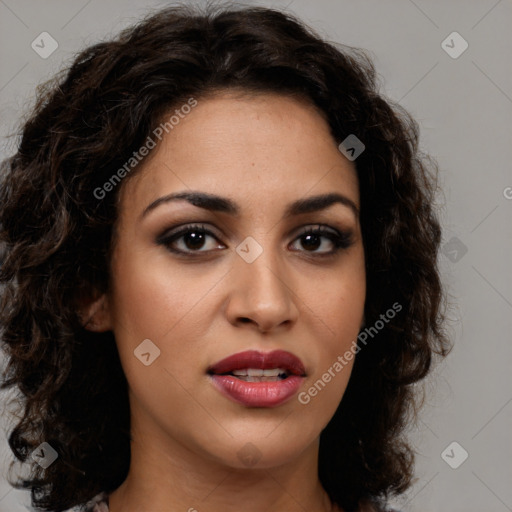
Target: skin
x=262, y=151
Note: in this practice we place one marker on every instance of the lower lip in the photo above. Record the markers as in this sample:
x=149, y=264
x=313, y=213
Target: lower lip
x=257, y=394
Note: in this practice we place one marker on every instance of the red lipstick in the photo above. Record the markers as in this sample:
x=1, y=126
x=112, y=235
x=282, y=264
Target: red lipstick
x=258, y=379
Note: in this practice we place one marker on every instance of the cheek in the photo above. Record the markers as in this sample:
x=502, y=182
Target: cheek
x=151, y=296
x=151, y=303
x=339, y=300
x=324, y=389
x=167, y=304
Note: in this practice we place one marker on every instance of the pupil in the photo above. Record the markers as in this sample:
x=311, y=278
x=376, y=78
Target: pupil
x=308, y=239
x=196, y=240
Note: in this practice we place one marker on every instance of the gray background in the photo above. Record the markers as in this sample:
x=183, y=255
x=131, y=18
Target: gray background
x=464, y=107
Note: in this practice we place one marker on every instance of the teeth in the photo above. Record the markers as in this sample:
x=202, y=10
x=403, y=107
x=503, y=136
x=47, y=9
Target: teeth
x=247, y=378
x=258, y=372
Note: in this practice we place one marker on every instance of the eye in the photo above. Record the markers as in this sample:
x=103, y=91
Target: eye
x=189, y=239
x=193, y=239
x=311, y=240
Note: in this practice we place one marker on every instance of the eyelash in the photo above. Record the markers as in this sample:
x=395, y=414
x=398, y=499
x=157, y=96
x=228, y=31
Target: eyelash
x=340, y=240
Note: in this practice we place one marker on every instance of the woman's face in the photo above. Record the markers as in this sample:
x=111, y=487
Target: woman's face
x=253, y=282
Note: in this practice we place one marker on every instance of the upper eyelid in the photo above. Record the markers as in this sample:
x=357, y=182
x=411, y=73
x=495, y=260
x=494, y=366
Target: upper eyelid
x=204, y=226
x=323, y=227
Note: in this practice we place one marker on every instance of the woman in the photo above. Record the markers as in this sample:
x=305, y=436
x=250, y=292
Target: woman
x=220, y=274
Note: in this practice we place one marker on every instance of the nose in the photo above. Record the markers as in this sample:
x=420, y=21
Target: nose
x=261, y=293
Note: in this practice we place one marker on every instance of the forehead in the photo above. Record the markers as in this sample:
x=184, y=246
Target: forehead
x=247, y=146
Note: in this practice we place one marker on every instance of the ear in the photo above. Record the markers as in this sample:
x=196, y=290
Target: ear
x=96, y=315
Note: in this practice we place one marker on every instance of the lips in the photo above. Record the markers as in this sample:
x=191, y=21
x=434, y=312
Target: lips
x=257, y=379
x=252, y=359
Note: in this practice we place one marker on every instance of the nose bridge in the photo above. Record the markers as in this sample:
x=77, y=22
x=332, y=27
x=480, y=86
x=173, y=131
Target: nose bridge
x=261, y=291
x=261, y=266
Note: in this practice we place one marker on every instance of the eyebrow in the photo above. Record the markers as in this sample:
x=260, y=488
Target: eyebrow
x=224, y=205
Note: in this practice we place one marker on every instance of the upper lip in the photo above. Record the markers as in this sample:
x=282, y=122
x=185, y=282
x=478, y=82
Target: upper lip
x=259, y=360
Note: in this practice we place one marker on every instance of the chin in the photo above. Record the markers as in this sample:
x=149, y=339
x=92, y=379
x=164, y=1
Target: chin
x=258, y=451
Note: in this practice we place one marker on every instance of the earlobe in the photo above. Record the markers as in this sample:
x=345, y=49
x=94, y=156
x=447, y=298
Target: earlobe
x=96, y=316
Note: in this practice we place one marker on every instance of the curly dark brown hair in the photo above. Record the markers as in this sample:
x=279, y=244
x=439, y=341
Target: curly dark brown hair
x=58, y=239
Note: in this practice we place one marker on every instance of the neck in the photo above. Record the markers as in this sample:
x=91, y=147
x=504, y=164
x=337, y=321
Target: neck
x=165, y=474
